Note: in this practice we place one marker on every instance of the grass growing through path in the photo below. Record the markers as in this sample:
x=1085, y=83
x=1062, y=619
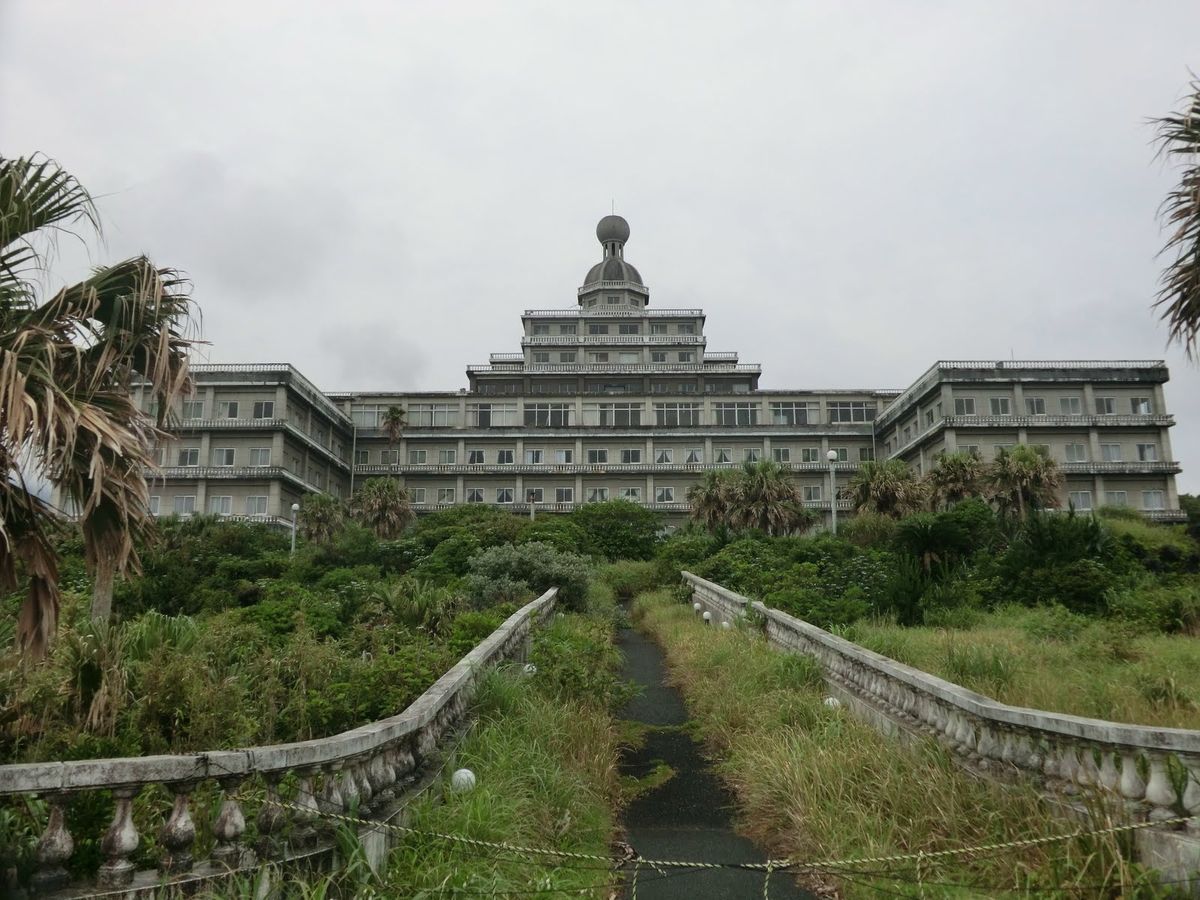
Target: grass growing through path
x=1047, y=658
x=814, y=783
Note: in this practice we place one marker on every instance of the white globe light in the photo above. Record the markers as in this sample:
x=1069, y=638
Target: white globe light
x=707, y=617
x=831, y=456
x=530, y=669
x=696, y=607
x=726, y=624
x=833, y=702
x=462, y=781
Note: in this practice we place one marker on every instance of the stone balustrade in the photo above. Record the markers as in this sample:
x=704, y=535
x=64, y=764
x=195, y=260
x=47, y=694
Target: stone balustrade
x=361, y=769
x=1153, y=772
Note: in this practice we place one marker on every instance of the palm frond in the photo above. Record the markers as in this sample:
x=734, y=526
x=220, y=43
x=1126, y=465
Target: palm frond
x=1178, y=139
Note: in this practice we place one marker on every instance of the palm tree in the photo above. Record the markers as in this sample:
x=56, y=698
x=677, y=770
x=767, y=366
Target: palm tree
x=393, y=423
x=954, y=477
x=320, y=518
x=1023, y=478
x=382, y=505
x=890, y=488
x=1179, y=294
x=67, y=417
x=711, y=499
x=765, y=499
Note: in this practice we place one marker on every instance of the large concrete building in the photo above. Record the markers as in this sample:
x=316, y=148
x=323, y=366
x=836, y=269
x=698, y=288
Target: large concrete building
x=613, y=398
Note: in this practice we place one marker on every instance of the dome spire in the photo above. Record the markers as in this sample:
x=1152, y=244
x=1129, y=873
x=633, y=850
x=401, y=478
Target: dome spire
x=613, y=232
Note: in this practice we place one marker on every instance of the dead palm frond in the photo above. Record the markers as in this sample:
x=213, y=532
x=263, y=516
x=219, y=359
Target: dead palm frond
x=382, y=506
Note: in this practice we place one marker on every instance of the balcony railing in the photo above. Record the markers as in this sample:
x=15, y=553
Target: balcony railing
x=1133, y=467
x=1059, y=421
x=229, y=473
x=614, y=286
x=578, y=468
x=568, y=340
x=617, y=368
x=615, y=313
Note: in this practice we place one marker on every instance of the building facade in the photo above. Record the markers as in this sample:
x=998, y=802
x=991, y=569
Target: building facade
x=613, y=398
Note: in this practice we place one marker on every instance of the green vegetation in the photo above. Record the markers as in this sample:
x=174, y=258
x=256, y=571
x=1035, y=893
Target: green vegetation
x=815, y=783
x=760, y=496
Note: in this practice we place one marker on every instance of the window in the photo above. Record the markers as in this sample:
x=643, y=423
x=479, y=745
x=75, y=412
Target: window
x=366, y=416
x=567, y=329
x=547, y=415
x=1000, y=406
x=184, y=505
x=928, y=417
x=568, y=357
x=723, y=455
x=612, y=300
x=1152, y=500
x=629, y=358
x=474, y=495
x=220, y=506
x=1140, y=406
x=658, y=356
x=843, y=454
x=445, y=495
x=1076, y=453
x=564, y=495
x=264, y=409
x=796, y=413
x=597, y=457
x=1147, y=452
x=658, y=327
x=504, y=457
x=361, y=457
x=597, y=328
x=687, y=356
x=632, y=494
x=432, y=415
x=564, y=457
x=664, y=495
x=389, y=457
x=751, y=454
x=447, y=457
x=972, y=449
x=810, y=455
x=155, y=502
x=853, y=412
x=228, y=409
x=193, y=409
x=735, y=414
x=781, y=454
x=631, y=457
x=492, y=415
x=541, y=357
x=597, y=495
x=687, y=327
x=675, y=415
x=535, y=457
x=475, y=457
x=1070, y=406
x=866, y=454
x=630, y=328
x=160, y=456
x=811, y=493
x=534, y=495
x=1116, y=498
x=964, y=406
x=663, y=456
x=540, y=329
x=1106, y=406
x=261, y=456
x=223, y=457
x=417, y=494
x=694, y=456
x=189, y=456
x=907, y=438
x=613, y=415
x=1110, y=452
x=417, y=457
x=1035, y=406
x=1080, y=499
x=256, y=506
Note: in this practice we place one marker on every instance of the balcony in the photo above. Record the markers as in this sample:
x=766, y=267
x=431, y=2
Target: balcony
x=1155, y=467
x=614, y=313
x=650, y=468
x=1088, y=421
x=633, y=286
x=617, y=369
x=569, y=340
x=227, y=473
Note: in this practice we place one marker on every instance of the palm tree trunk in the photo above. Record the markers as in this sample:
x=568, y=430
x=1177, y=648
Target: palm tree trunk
x=102, y=590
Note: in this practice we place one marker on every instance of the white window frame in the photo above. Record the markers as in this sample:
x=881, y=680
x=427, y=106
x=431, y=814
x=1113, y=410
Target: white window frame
x=564, y=495
x=752, y=454
x=475, y=495
x=564, y=457
x=1147, y=452
x=1081, y=500
x=417, y=457
x=1116, y=498
x=154, y=504
x=812, y=493
x=597, y=456
x=476, y=457
x=664, y=494
x=1111, y=452
x=192, y=410
x=722, y=455
x=1035, y=406
x=1075, y=452
x=1000, y=406
x=504, y=457
x=220, y=505
x=417, y=494
x=631, y=456
x=535, y=456
x=597, y=495
x=964, y=406
x=446, y=495
x=189, y=457
x=664, y=456
x=253, y=505
x=264, y=409
x=632, y=494
x=228, y=456
x=448, y=457
x=190, y=506
x=228, y=409
x=1141, y=406
x=694, y=456
x=505, y=495
x=1154, y=499
x=1070, y=406
x=1106, y=406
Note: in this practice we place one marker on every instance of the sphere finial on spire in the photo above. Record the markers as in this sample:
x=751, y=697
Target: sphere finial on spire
x=612, y=228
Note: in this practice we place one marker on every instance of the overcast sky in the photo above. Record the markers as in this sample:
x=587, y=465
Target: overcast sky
x=374, y=191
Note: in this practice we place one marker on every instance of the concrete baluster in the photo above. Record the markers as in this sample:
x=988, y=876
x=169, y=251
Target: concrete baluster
x=119, y=841
x=1191, y=792
x=1109, y=778
x=178, y=833
x=271, y=818
x=54, y=848
x=365, y=793
x=230, y=825
x=1132, y=788
x=986, y=747
x=330, y=799
x=1008, y=748
x=1050, y=765
x=350, y=791
x=1068, y=766
x=1088, y=774
x=1160, y=793
x=307, y=812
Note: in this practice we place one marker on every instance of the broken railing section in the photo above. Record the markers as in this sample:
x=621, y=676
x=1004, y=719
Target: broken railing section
x=1155, y=771
x=359, y=769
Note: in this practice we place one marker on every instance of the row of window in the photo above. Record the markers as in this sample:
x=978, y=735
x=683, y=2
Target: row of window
x=229, y=409
x=1150, y=499
x=222, y=457
x=624, y=357
x=1078, y=452
x=185, y=505
x=499, y=388
x=1036, y=406
x=541, y=329
x=601, y=456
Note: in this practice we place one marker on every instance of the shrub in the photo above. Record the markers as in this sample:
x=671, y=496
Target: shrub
x=559, y=531
x=629, y=577
x=497, y=572
x=618, y=529
x=1169, y=607
x=869, y=529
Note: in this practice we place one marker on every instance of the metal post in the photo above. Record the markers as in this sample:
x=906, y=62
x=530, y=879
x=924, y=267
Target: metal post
x=832, y=493
x=295, y=509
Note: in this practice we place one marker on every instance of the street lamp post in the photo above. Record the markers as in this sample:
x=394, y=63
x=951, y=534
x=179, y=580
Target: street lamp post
x=295, y=509
x=832, y=457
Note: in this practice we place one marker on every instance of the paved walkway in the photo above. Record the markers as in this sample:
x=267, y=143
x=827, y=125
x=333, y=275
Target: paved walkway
x=689, y=816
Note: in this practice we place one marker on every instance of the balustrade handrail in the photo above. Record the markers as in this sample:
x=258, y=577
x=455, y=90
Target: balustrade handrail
x=90, y=774
x=1099, y=731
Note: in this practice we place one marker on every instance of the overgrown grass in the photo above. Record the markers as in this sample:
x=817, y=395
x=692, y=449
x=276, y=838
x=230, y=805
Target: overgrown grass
x=1048, y=658
x=815, y=783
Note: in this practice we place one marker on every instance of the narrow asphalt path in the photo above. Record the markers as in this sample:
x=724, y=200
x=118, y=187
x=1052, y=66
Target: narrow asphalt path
x=689, y=816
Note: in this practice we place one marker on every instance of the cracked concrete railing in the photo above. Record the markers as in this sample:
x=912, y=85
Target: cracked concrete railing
x=1155, y=771
x=360, y=768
